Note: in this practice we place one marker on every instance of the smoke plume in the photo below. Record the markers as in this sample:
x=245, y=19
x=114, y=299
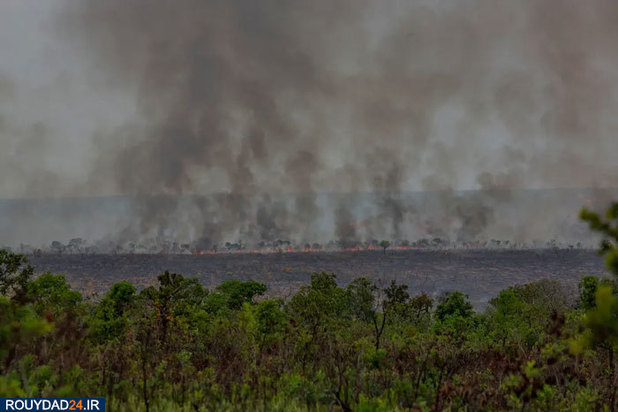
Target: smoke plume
x=251, y=120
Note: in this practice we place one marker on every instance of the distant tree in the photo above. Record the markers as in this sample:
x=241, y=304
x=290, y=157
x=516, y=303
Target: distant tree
x=75, y=245
x=57, y=247
x=384, y=245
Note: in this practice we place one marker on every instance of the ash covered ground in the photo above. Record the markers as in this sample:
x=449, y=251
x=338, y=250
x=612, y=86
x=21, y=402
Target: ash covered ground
x=479, y=273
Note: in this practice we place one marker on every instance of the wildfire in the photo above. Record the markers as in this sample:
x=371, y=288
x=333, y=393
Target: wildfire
x=291, y=249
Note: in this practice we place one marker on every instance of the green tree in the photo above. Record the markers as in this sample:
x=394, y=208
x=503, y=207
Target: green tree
x=15, y=275
x=513, y=319
x=239, y=292
x=601, y=321
x=110, y=318
x=175, y=297
x=453, y=304
x=319, y=308
x=271, y=321
x=601, y=331
x=587, y=292
x=419, y=308
x=370, y=303
x=52, y=293
x=362, y=299
x=607, y=227
x=385, y=244
x=19, y=328
x=365, y=300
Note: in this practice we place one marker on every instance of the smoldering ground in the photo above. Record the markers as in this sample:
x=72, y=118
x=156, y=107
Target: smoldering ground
x=266, y=106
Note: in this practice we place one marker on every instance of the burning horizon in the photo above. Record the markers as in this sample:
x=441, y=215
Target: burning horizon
x=115, y=224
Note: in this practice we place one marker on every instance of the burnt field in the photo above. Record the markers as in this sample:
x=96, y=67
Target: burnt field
x=479, y=273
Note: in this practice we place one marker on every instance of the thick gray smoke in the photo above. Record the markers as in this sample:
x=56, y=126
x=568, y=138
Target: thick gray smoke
x=265, y=106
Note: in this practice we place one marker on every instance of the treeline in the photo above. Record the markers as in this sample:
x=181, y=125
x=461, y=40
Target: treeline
x=79, y=246
x=364, y=347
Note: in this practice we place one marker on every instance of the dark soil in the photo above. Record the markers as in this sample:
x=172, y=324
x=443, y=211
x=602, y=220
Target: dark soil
x=480, y=274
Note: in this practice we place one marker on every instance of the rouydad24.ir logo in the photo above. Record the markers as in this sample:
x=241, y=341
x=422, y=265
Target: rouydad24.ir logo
x=52, y=404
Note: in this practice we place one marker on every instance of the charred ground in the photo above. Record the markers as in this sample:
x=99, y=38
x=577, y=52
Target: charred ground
x=479, y=273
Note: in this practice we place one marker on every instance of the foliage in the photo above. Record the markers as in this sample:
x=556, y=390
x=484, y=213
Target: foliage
x=453, y=304
x=51, y=293
x=241, y=292
x=607, y=226
x=14, y=275
x=600, y=323
x=587, y=291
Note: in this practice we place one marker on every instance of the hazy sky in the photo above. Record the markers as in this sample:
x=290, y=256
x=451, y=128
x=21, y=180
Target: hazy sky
x=125, y=97
x=50, y=113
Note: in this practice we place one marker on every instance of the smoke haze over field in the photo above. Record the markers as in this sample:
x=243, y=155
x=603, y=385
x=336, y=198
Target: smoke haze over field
x=268, y=105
